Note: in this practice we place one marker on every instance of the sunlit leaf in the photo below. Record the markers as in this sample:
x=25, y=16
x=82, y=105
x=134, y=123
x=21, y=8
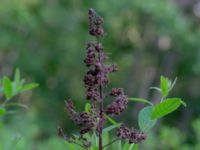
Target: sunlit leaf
x=164, y=86
x=17, y=76
x=167, y=106
x=7, y=87
x=95, y=148
x=2, y=111
x=135, y=147
x=87, y=107
x=29, y=86
x=126, y=146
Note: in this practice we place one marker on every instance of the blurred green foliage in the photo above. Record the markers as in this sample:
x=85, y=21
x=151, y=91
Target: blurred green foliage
x=177, y=141
x=46, y=39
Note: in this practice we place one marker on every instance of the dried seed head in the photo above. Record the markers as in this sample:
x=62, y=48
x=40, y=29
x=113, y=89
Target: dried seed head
x=95, y=24
x=133, y=135
x=118, y=105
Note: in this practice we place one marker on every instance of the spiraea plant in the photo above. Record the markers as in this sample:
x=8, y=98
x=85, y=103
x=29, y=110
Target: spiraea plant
x=9, y=89
x=92, y=120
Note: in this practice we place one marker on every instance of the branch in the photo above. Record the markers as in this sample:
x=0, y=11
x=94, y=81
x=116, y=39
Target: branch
x=115, y=140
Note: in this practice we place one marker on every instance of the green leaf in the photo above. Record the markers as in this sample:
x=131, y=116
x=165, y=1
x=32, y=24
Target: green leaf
x=29, y=86
x=17, y=76
x=144, y=119
x=135, y=147
x=95, y=148
x=2, y=111
x=155, y=88
x=71, y=146
x=87, y=107
x=172, y=85
x=7, y=87
x=119, y=145
x=105, y=139
x=164, y=86
x=126, y=146
x=112, y=121
x=94, y=139
x=140, y=100
x=107, y=129
x=165, y=107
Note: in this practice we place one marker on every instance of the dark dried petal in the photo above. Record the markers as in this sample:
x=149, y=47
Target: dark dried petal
x=116, y=92
x=92, y=12
x=123, y=132
x=100, y=124
x=133, y=135
x=98, y=47
x=95, y=24
x=118, y=105
x=136, y=136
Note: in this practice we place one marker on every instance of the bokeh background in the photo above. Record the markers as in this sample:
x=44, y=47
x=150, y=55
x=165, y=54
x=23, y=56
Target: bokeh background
x=46, y=40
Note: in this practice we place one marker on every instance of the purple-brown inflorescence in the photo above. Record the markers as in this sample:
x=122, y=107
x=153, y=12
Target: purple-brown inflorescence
x=97, y=74
x=96, y=80
x=119, y=104
x=83, y=119
x=132, y=135
x=95, y=24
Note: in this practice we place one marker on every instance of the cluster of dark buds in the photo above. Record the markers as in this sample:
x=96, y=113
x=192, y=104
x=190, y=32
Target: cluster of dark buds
x=120, y=102
x=96, y=80
x=133, y=135
x=83, y=119
x=95, y=24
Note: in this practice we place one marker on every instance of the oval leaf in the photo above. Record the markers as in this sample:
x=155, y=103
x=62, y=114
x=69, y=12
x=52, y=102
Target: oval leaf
x=17, y=76
x=29, y=86
x=167, y=106
x=144, y=119
x=7, y=87
x=126, y=146
x=2, y=111
x=164, y=86
x=87, y=107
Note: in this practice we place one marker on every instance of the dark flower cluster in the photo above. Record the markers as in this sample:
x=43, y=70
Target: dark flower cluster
x=96, y=80
x=98, y=72
x=133, y=135
x=83, y=119
x=95, y=24
x=119, y=104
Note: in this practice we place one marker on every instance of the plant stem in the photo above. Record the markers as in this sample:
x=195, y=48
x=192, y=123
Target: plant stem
x=70, y=141
x=101, y=117
x=115, y=140
x=100, y=105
